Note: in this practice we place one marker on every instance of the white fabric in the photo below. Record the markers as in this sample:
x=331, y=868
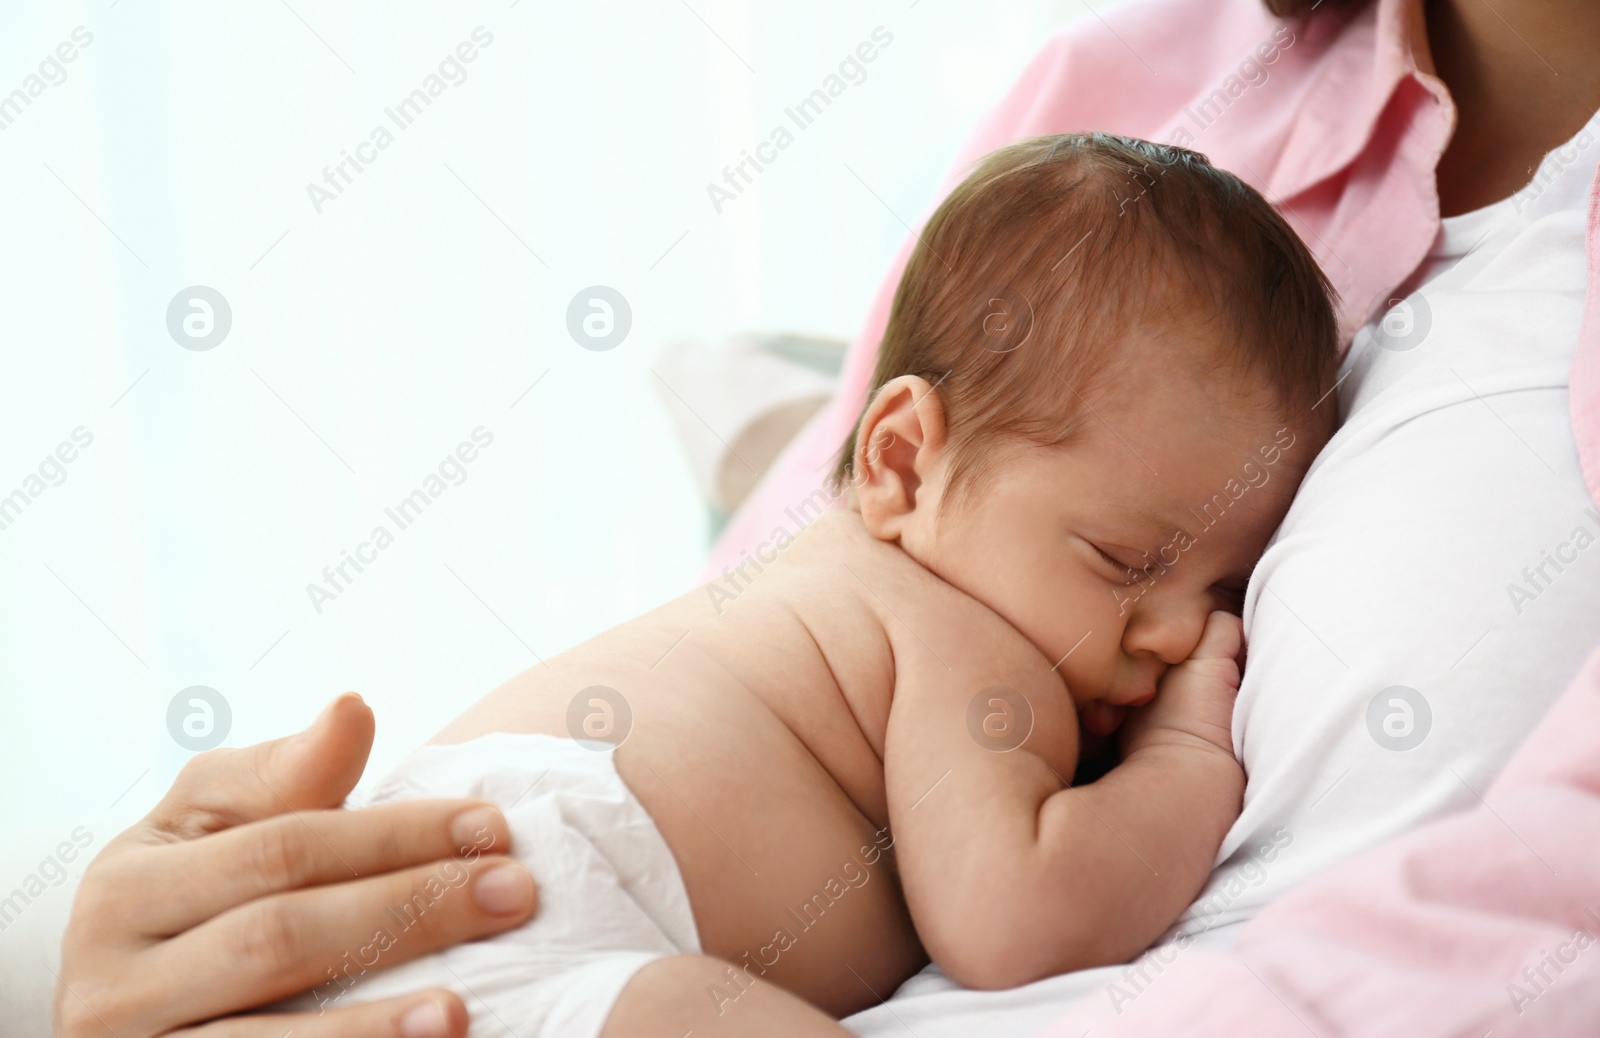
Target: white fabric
x=1454, y=470
x=736, y=403
x=611, y=898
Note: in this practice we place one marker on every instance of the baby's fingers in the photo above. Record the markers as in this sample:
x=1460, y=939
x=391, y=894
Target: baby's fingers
x=1221, y=639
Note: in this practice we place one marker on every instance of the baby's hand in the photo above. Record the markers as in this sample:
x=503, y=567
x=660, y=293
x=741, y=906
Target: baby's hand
x=1194, y=699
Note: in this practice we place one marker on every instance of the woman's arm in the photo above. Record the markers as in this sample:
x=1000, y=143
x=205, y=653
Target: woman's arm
x=247, y=883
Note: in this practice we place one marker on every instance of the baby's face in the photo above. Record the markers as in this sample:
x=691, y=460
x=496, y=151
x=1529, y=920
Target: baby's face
x=1109, y=553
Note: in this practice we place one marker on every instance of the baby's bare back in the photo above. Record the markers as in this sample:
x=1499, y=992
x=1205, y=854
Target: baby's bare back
x=756, y=741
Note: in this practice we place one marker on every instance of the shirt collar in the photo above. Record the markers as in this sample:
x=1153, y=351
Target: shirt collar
x=1377, y=48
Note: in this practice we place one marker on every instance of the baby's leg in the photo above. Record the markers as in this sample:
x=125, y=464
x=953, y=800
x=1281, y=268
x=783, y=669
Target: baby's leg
x=676, y=995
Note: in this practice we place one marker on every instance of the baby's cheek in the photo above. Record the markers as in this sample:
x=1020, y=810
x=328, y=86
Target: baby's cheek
x=1087, y=661
x=1073, y=619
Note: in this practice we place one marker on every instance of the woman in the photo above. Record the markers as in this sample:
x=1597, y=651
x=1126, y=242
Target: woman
x=1406, y=630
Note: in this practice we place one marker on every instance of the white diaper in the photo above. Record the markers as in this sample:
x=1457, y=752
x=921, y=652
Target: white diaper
x=611, y=899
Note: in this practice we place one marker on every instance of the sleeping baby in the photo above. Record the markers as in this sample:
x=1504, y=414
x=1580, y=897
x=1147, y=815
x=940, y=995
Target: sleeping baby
x=1097, y=392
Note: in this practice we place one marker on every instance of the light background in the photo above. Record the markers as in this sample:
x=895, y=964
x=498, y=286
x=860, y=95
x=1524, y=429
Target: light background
x=370, y=339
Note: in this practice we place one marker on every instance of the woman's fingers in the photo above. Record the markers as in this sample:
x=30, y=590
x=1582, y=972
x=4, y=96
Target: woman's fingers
x=291, y=851
x=438, y=1014
x=274, y=947
x=243, y=886
x=220, y=789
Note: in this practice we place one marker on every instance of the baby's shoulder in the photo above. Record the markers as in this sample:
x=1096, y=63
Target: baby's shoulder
x=918, y=610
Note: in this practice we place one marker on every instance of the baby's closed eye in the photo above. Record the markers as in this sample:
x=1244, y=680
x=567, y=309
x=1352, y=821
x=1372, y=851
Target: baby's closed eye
x=1125, y=571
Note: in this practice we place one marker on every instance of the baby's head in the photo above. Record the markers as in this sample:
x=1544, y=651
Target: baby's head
x=1107, y=367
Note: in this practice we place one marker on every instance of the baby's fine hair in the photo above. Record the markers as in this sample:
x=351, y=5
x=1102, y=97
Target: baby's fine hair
x=1027, y=281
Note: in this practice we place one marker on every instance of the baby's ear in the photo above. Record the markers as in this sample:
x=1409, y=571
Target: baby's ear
x=900, y=455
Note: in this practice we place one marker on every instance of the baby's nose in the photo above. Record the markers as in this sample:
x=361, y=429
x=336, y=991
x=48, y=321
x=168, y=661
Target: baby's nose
x=1169, y=625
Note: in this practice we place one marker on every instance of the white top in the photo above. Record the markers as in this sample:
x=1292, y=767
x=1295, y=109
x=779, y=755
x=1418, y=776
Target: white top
x=1438, y=547
x=1433, y=589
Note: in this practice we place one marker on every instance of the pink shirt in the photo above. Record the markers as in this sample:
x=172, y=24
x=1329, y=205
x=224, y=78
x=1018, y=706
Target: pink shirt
x=1330, y=118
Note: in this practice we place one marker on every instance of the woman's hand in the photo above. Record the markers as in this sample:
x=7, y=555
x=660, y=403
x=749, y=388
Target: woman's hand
x=247, y=884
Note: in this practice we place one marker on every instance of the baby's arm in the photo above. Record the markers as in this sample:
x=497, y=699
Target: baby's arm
x=1010, y=875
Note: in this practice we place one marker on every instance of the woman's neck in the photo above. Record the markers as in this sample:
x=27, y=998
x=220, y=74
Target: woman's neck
x=1524, y=77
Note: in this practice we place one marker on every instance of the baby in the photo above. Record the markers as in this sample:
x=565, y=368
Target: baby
x=766, y=804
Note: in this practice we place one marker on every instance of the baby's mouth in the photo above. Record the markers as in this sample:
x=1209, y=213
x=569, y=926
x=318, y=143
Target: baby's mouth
x=1100, y=718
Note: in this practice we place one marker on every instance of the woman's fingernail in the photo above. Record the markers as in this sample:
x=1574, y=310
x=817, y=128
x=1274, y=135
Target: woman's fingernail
x=504, y=890
x=340, y=698
x=476, y=828
x=322, y=718
x=425, y=1020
